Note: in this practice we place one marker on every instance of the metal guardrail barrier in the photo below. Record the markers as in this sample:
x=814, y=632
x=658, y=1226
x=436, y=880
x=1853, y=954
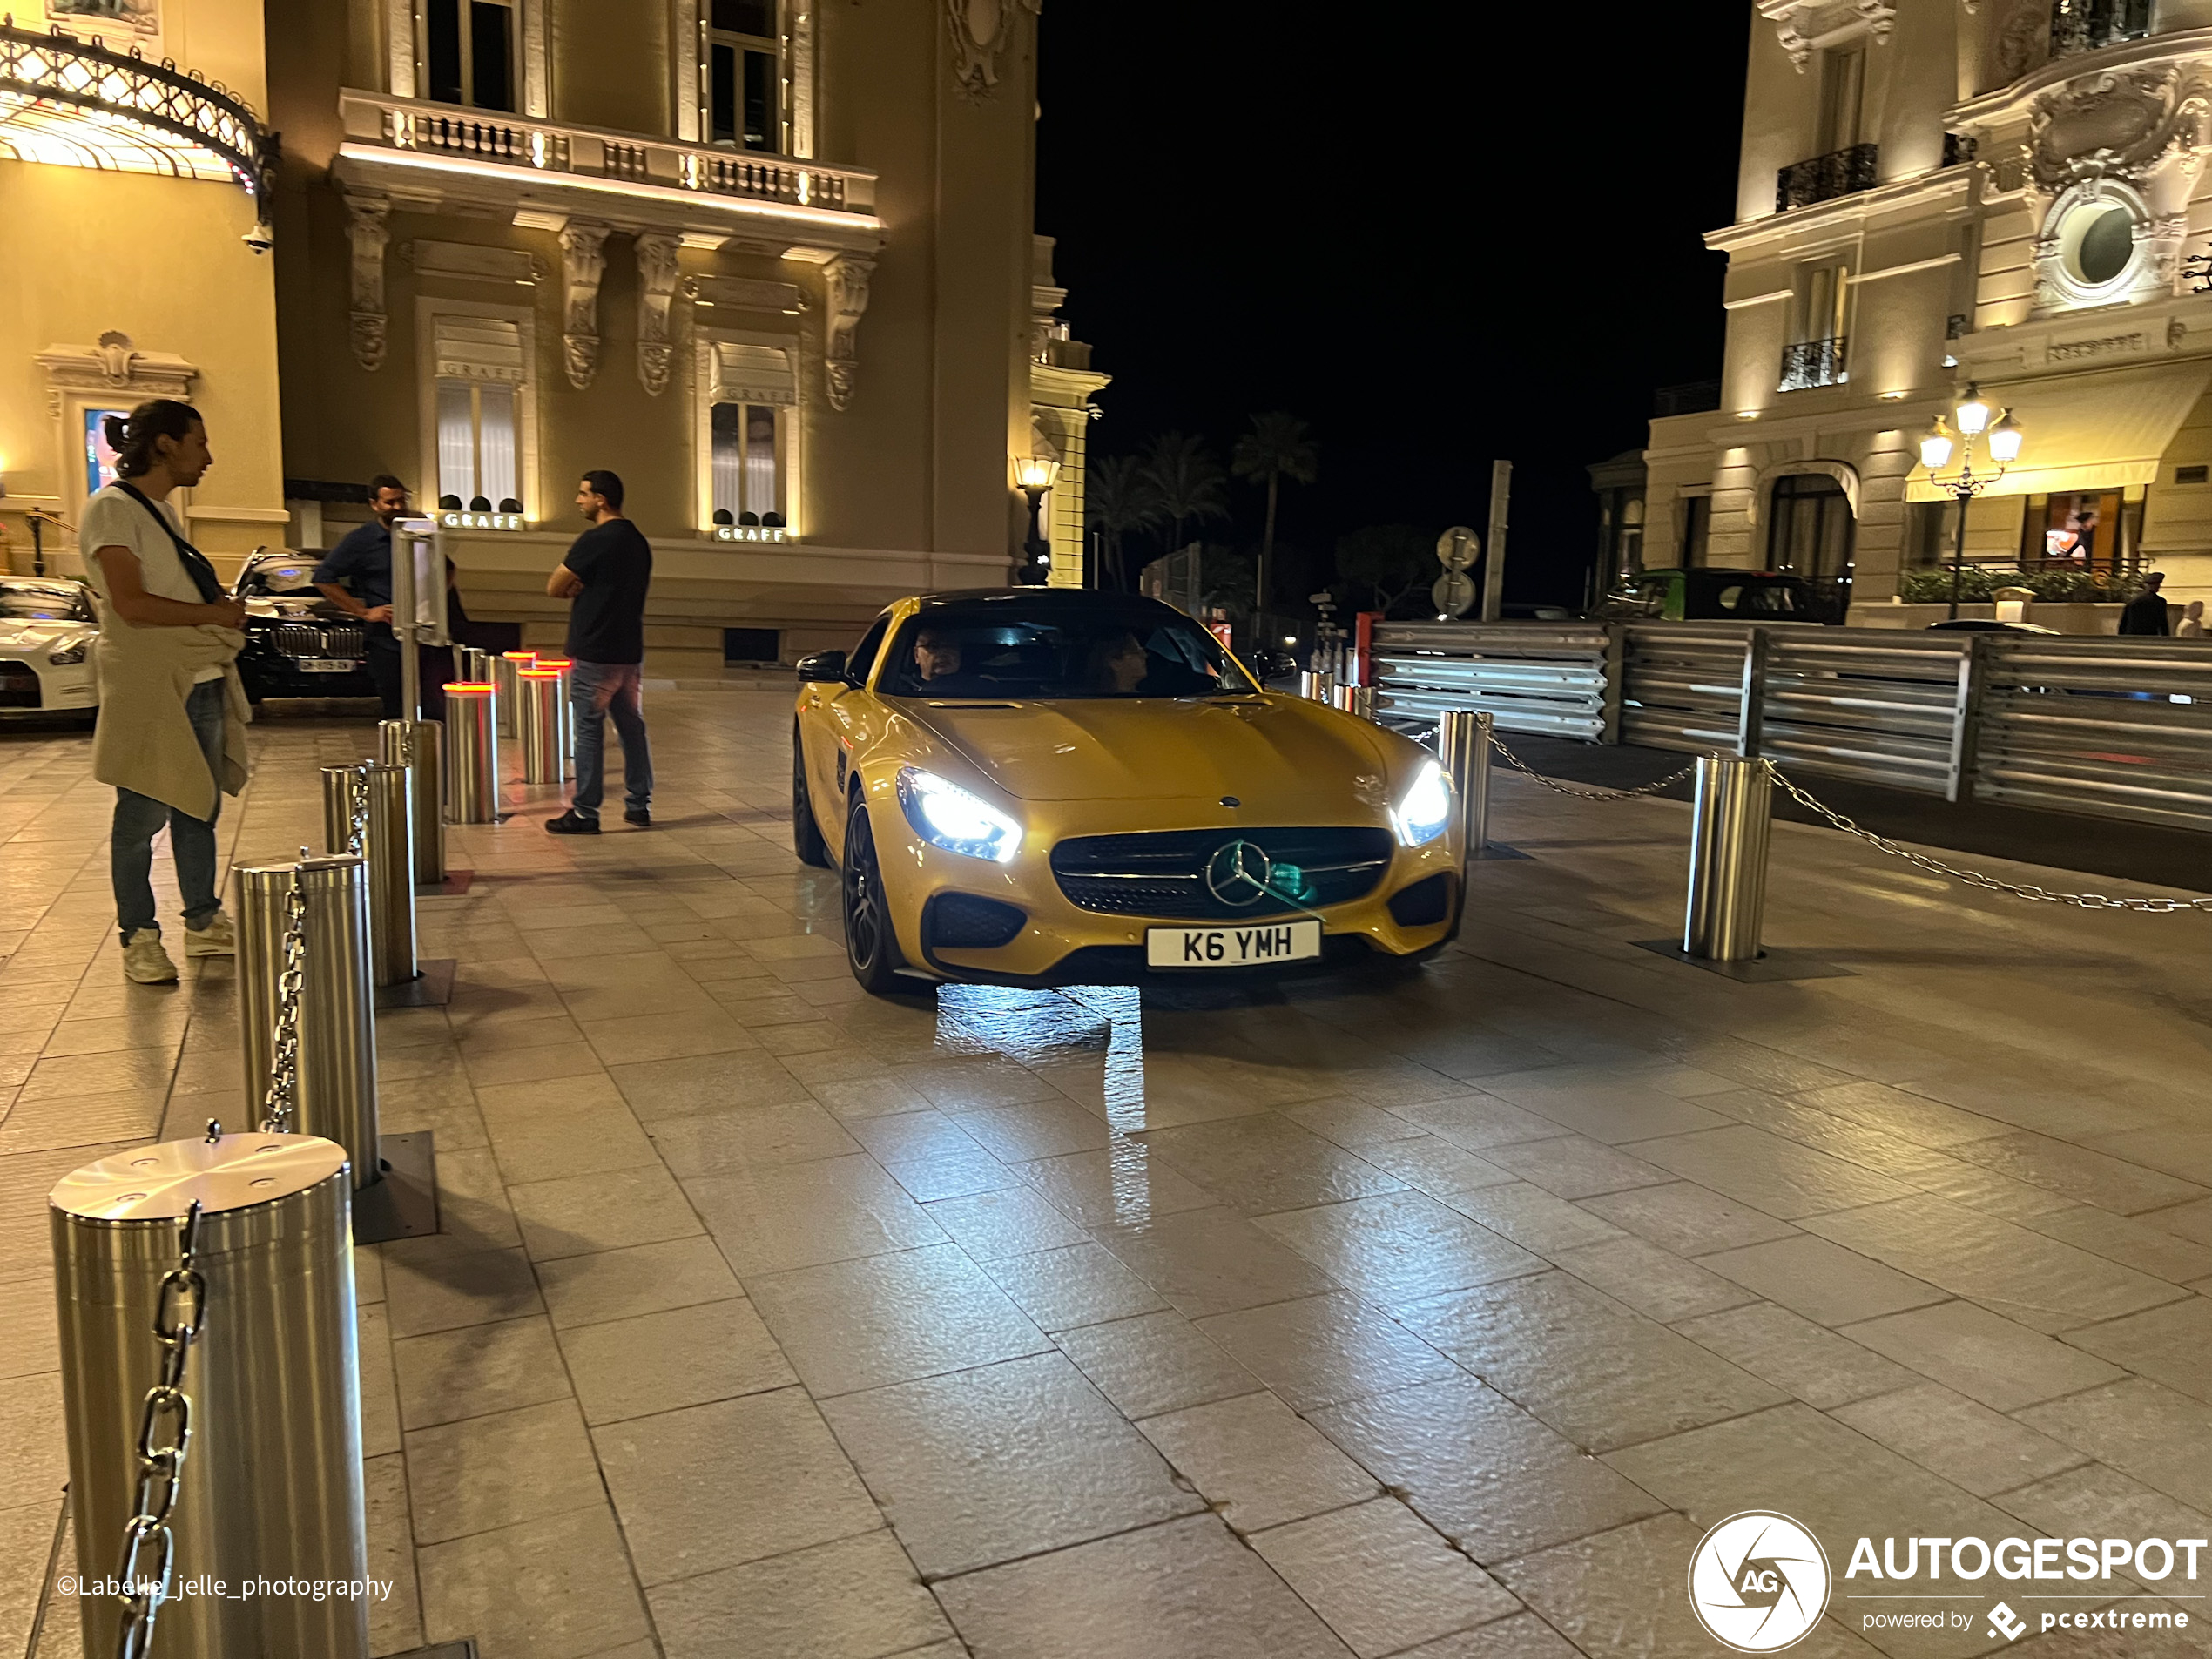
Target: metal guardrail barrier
x=1554, y=680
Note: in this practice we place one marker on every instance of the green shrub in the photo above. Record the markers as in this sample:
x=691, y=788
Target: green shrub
x=1978, y=582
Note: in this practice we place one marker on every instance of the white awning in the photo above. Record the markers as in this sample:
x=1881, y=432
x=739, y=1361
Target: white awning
x=2100, y=431
x=750, y=373
x=480, y=348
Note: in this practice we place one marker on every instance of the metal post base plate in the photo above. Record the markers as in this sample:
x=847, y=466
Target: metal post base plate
x=453, y=887
x=1764, y=968
x=431, y=988
x=404, y=1204
x=1491, y=850
x=463, y=1650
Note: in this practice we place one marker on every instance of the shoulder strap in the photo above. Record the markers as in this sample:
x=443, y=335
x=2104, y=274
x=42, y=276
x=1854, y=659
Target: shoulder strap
x=195, y=562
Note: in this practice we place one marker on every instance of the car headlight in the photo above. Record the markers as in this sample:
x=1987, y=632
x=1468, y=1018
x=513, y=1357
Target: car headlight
x=946, y=815
x=1425, y=812
x=70, y=656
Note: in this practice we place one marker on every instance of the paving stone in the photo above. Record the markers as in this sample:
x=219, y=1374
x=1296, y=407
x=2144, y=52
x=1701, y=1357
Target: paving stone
x=1258, y=1463
x=1983, y=1355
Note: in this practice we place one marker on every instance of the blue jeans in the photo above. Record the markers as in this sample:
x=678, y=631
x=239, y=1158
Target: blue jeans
x=598, y=691
x=139, y=818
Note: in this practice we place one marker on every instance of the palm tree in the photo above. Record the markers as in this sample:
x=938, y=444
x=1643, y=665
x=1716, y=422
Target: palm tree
x=1186, y=479
x=1280, y=446
x=1120, y=498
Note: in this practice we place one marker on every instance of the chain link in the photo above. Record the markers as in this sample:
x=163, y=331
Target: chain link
x=1975, y=877
x=179, y=1309
x=1577, y=792
x=357, y=798
x=284, y=1060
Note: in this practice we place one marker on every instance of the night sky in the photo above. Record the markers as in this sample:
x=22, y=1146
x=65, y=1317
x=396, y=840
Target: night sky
x=1438, y=234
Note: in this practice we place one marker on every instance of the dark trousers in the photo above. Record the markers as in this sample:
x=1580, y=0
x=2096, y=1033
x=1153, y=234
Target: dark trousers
x=437, y=663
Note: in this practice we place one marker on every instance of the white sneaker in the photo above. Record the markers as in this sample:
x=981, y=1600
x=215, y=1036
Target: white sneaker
x=216, y=939
x=145, y=960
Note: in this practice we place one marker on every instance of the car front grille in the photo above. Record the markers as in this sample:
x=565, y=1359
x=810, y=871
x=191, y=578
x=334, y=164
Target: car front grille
x=1163, y=873
x=18, y=686
x=308, y=639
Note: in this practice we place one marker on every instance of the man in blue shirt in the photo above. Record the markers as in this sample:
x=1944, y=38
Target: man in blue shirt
x=356, y=576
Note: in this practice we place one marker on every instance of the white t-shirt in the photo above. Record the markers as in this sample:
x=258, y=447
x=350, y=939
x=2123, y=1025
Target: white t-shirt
x=112, y=519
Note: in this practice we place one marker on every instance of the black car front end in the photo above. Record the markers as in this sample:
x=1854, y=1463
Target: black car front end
x=298, y=643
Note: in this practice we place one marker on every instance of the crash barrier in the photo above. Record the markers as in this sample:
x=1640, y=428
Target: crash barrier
x=538, y=719
x=306, y=1018
x=367, y=811
x=206, y=1294
x=420, y=746
x=472, y=752
x=505, y=668
x=2114, y=728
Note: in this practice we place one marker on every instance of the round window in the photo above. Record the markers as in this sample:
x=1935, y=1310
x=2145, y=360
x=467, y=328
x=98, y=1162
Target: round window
x=2100, y=238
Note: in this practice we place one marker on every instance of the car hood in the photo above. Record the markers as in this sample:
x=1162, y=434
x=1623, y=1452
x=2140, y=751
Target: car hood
x=18, y=633
x=1271, y=753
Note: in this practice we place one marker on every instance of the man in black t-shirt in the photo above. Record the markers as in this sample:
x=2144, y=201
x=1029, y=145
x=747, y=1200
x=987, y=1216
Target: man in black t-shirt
x=605, y=575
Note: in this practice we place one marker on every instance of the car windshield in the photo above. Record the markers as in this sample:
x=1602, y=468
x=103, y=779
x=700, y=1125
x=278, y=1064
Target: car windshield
x=43, y=605
x=280, y=576
x=1007, y=648
x=1755, y=598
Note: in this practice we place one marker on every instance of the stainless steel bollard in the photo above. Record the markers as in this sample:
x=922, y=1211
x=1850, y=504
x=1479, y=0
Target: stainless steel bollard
x=1463, y=745
x=1363, y=701
x=472, y=752
x=565, y=668
x=337, y=1071
x=420, y=746
x=1315, y=684
x=505, y=668
x=270, y=1485
x=1340, y=697
x=388, y=845
x=538, y=718
x=475, y=665
x=1729, y=831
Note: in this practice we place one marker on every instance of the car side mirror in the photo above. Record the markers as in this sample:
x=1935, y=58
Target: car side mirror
x=824, y=667
x=1270, y=665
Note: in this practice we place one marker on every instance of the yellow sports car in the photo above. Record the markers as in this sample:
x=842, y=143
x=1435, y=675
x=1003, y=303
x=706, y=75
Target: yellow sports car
x=1052, y=786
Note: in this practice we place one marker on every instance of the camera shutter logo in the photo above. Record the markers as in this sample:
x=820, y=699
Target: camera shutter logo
x=1758, y=1581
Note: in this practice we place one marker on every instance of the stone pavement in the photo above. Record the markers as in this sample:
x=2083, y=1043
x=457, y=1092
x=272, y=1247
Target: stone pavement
x=1431, y=1314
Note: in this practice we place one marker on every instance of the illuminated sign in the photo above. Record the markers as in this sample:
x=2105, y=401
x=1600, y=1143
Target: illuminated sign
x=482, y=521
x=751, y=533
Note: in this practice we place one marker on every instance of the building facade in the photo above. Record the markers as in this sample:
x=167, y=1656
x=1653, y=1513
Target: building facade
x=1933, y=194
x=772, y=261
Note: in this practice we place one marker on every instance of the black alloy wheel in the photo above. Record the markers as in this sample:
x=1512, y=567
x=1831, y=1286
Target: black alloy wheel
x=870, y=947
x=805, y=829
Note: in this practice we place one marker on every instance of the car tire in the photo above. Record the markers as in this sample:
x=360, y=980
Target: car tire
x=871, y=942
x=806, y=828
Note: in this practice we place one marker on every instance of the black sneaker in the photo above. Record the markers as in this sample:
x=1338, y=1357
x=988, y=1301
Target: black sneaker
x=572, y=823
x=641, y=816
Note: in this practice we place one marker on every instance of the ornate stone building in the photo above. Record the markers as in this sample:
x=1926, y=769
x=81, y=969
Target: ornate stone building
x=1939, y=192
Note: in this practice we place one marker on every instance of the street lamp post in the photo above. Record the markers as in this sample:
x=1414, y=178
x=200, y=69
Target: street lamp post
x=2001, y=439
x=1033, y=476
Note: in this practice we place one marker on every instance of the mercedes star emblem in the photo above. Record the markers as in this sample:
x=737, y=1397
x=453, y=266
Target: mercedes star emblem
x=1239, y=873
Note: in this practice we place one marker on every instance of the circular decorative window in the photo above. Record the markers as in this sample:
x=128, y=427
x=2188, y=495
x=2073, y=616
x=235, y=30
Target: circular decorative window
x=2098, y=243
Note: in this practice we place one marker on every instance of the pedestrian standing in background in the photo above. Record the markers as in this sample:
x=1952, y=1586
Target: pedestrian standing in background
x=605, y=576
x=356, y=576
x=172, y=733
x=2191, y=625
x=2145, y=614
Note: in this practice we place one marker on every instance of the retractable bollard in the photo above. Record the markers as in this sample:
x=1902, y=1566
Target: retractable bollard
x=269, y=1495
x=1340, y=697
x=335, y=1096
x=387, y=842
x=537, y=715
x=420, y=746
x=1363, y=701
x=565, y=669
x=1728, y=830
x=472, y=752
x=1316, y=684
x=1463, y=745
x=475, y=665
x=505, y=668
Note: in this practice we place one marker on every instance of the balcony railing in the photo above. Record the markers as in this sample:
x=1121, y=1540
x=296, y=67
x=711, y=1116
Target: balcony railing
x=589, y=153
x=1690, y=397
x=1840, y=172
x=2084, y=25
x=1813, y=362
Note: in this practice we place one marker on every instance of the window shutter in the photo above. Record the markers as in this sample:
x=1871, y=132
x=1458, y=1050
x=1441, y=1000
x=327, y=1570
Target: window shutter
x=480, y=348
x=748, y=374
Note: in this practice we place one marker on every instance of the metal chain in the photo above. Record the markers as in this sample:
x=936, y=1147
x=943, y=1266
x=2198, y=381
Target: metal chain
x=357, y=797
x=1580, y=793
x=284, y=1062
x=1975, y=877
x=178, y=1310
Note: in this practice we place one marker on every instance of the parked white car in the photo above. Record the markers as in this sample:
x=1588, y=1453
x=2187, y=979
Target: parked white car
x=47, y=627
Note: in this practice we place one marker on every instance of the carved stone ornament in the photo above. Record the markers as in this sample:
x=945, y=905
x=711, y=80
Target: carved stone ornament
x=2023, y=38
x=846, y=279
x=583, y=263
x=745, y=294
x=115, y=370
x=980, y=30
x=656, y=290
x=2123, y=124
x=1807, y=26
x=366, y=226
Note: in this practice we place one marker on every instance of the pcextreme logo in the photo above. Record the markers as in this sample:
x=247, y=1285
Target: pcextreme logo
x=1758, y=1581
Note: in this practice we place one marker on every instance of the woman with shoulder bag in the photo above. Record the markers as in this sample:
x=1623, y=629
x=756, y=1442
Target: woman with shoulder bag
x=172, y=733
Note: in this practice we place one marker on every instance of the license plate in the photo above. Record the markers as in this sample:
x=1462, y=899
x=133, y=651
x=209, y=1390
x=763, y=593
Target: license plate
x=325, y=665
x=1279, y=941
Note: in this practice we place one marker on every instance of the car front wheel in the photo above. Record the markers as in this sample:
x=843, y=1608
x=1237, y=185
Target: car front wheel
x=870, y=947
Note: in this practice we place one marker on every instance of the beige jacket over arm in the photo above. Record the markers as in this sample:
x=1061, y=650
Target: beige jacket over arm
x=144, y=741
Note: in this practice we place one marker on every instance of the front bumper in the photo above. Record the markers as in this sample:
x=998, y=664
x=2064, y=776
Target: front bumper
x=1062, y=943
x=30, y=685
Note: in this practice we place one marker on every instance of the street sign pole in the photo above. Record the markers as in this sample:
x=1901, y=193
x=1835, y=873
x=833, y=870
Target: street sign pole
x=1493, y=569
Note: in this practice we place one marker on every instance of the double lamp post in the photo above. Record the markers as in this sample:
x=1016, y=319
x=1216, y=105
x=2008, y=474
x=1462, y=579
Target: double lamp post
x=1971, y=424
